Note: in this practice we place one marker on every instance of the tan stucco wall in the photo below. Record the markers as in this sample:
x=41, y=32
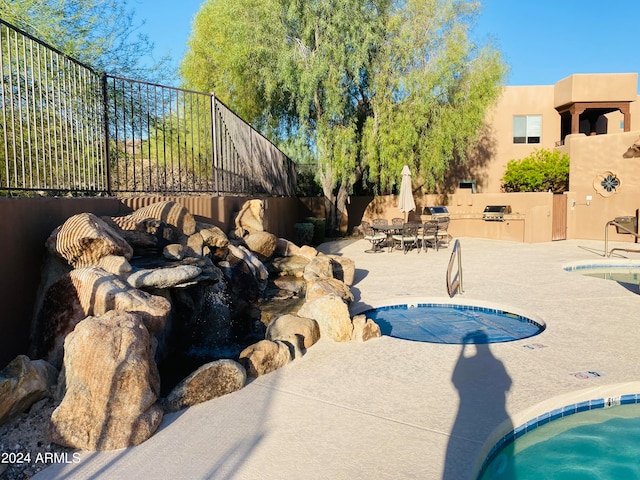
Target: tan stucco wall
x=601, y=87
x=516, y=101
x=542, y=100
x=591, y=158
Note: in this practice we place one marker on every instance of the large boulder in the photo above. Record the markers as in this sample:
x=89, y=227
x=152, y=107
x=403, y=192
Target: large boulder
x=364, y=329
x=84, y=239
x=22, y=383
x=287, y=326
x=110, y=383
x=145, y=235
x=213, y=236
x=210, y=381
x=262, y=244
x=257, y=268
x=319, y=267
x=286, y=248
x=86, y=292
x=344, y=268
x=332, y=315
x=265, y=357
x=163, y=277
x=250, y=218
x=115, y=265
x=170, y=212
x=329, y=286
x=293, y=265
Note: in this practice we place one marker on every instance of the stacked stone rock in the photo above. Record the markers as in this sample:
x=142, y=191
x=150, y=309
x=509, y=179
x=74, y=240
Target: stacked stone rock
x=100, y=321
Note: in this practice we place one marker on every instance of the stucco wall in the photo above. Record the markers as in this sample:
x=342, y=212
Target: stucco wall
x=542, y=100
x=530, y=220
x=599, y=87
x=592, y=159
x=536, y=100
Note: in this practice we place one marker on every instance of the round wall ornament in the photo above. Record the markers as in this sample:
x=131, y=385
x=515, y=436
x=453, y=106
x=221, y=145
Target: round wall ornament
x=606, y=184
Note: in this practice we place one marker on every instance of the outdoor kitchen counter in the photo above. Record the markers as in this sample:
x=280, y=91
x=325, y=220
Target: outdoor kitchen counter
x=473, y=225
x=475, y=216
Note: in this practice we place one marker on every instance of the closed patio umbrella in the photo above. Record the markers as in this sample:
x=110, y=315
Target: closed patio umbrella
x=406, y=202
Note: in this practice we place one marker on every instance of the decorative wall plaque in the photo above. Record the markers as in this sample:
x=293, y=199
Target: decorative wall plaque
x=606, y=184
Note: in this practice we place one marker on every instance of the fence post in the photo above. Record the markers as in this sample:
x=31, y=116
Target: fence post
x=214, y=147
x=105, y=119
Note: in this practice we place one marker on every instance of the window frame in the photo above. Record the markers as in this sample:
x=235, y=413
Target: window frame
x=530, y=125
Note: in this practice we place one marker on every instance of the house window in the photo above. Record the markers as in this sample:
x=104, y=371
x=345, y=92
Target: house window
x=527, y=128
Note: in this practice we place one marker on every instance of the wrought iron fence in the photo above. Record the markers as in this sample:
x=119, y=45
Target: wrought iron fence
x=69, y=129
x=51, y=111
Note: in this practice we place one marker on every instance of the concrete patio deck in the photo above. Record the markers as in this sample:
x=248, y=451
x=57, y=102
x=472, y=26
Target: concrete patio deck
x=389, y=408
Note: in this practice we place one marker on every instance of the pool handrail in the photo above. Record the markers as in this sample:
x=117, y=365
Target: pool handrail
x=618, y=226
x=455, y=284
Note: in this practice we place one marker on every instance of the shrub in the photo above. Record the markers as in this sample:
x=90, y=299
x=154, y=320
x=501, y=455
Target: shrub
x=541, y=171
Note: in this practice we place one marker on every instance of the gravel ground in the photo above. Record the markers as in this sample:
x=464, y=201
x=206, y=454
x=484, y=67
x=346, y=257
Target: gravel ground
x=25, y=447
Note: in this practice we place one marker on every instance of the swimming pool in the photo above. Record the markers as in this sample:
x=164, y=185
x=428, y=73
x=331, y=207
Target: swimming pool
x=586, y=440
x=625, y=272
x=453, y=323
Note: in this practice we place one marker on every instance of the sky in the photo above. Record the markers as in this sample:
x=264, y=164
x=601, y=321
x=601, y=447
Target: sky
x=542, y=41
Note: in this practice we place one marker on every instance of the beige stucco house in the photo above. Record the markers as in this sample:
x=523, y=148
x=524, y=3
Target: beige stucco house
x=594, y=118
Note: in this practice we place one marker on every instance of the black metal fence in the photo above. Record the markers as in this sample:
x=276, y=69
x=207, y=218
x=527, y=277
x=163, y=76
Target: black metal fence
x=68, y=129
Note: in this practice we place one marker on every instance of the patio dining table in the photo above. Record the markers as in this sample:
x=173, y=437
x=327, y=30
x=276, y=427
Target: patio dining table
x=392, y=230
x=389, y=230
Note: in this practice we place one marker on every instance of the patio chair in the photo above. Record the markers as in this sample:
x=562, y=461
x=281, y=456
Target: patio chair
x=429, y=235
x=408, y=239
x=376, y=238
x=397, y=223
x=380, y=222
x=443, y=235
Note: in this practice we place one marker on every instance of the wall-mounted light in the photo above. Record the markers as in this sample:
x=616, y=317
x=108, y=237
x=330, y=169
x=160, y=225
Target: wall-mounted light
x=587, y=202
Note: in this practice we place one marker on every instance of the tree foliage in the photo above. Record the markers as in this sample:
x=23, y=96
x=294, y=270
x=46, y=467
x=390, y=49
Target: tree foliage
x=102, y=34
x=361, y=87
x=542, y=171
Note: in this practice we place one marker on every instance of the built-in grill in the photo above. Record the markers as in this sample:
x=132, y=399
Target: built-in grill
x=439, y=211
x=495, y=213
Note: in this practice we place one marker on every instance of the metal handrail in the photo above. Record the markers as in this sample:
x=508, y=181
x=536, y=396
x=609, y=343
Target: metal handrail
x=608, y=253
x=455, y=284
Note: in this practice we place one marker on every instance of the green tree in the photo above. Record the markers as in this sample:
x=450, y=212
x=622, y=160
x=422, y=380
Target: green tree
x=102, y=34
x=361, y=87
x=542, y=171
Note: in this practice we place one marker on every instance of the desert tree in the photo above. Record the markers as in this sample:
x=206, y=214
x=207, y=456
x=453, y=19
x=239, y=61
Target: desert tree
x=360, y=87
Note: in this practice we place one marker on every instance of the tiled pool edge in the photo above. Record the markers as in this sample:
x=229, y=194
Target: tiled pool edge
x=448, y=302
x=555, y=414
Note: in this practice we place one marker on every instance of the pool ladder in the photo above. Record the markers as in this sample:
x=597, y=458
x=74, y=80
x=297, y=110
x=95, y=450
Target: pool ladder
x=619, y=226
x=454, y=283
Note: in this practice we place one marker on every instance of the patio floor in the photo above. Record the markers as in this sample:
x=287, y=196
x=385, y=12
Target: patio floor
x=397, y=409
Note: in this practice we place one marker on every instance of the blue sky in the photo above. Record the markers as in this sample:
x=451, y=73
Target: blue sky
x=542, y=41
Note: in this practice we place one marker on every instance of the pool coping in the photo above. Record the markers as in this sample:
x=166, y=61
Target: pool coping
x=609, y=262
x=605, y=396
x=446, y=301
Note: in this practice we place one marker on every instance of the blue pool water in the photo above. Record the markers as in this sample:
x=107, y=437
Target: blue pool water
x=452, y=324
x=596, y=444
x=627, y=275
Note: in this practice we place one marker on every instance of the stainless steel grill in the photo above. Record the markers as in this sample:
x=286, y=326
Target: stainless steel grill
x=439, y=211
x=495, y=213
